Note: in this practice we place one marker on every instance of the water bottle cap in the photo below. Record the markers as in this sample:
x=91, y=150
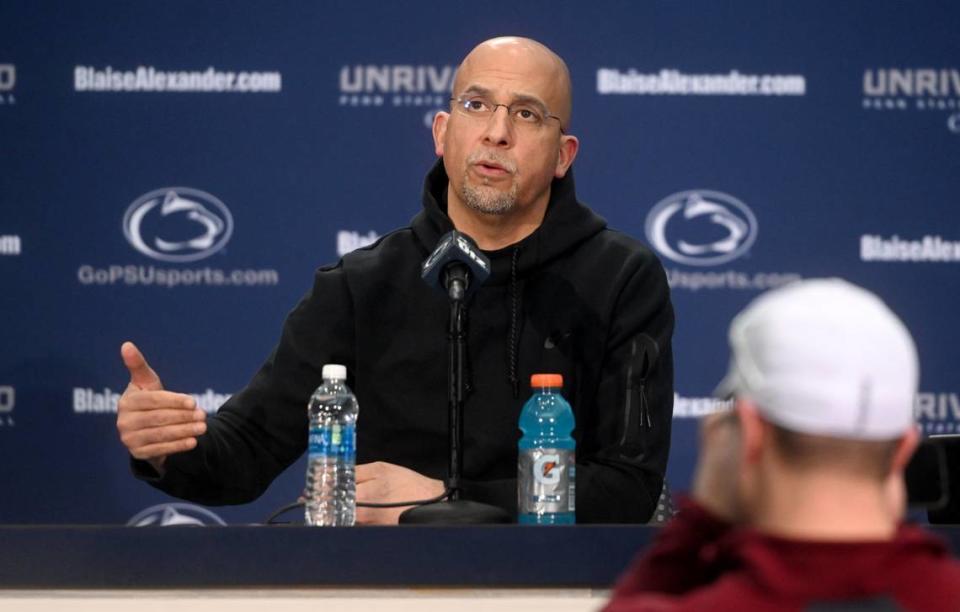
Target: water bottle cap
x=335, y=371
x=546, y=380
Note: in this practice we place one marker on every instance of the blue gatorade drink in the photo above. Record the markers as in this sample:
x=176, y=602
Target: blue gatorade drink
x=546, y=466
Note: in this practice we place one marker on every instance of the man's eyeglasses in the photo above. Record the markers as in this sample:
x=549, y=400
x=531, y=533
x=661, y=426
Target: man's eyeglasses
x=525, y=115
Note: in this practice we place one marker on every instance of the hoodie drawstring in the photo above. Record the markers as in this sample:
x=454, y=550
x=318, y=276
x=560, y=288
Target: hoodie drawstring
x=514, y=332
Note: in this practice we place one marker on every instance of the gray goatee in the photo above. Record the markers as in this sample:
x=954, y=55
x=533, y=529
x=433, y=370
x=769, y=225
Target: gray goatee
x=485, y=199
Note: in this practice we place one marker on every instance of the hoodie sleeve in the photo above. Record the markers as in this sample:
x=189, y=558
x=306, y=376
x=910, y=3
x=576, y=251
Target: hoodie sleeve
x=262, y=429
x=625, y=444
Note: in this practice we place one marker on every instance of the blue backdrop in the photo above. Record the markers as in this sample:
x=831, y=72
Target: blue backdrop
x=173, y=173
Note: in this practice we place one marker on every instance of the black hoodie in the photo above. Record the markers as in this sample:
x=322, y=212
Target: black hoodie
x=574, y=298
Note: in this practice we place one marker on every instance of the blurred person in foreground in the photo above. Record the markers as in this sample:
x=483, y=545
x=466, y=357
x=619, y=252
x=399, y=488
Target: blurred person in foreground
x=799, y=496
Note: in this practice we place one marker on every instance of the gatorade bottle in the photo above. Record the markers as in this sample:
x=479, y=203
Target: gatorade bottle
x=546, y=467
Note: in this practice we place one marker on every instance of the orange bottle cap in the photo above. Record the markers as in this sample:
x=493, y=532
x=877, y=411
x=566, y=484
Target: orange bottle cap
x=546, y=380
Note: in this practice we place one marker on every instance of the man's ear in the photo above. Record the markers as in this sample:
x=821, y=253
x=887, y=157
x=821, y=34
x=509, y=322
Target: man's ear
x=753, y=429
x=905, y=448
x=569, y=145
x=439, y=131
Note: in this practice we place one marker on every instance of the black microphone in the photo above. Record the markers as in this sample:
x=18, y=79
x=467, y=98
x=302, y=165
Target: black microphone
x=456, y=267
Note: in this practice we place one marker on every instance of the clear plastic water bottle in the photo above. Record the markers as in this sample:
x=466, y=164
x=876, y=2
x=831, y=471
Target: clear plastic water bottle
x=331, y=491
x=546, y=467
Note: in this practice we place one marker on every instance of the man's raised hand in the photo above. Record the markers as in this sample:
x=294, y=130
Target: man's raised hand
x=154, y=423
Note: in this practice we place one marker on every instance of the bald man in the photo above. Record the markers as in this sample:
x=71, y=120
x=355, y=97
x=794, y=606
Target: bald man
x=566, y=295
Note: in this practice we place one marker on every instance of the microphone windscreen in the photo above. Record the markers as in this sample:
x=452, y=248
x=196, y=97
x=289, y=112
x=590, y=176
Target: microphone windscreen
x=456, y=247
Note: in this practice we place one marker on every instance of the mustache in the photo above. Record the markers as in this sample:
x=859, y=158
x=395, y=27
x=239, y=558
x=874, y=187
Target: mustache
x=492, y=158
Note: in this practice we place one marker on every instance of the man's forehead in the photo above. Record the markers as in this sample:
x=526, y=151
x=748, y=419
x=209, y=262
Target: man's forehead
x=507, y=82
x=513, y=68
x=505, y=94
x=510, y=57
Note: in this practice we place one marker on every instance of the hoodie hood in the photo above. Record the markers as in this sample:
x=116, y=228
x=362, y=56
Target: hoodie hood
x=566, y=224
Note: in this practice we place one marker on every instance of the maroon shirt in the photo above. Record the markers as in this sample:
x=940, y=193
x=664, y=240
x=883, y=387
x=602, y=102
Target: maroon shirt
x=699, y=562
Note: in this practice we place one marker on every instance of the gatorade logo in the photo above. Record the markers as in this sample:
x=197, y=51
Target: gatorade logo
x=546, y=469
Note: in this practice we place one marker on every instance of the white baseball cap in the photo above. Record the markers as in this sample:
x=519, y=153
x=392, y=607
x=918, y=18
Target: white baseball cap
x=824, y=357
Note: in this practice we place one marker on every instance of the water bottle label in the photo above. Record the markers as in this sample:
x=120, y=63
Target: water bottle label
x=348, y=442
x=333, y=441
x=547, y=480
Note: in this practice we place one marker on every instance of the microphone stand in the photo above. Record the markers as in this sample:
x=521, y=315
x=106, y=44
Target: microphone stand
x=455, y=511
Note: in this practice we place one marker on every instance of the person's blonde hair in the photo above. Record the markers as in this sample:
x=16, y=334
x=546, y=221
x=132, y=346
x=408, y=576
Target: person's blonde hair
x=865, y=458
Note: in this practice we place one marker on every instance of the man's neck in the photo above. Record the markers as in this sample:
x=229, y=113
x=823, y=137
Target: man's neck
x=495, y=231
x=824, y=507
